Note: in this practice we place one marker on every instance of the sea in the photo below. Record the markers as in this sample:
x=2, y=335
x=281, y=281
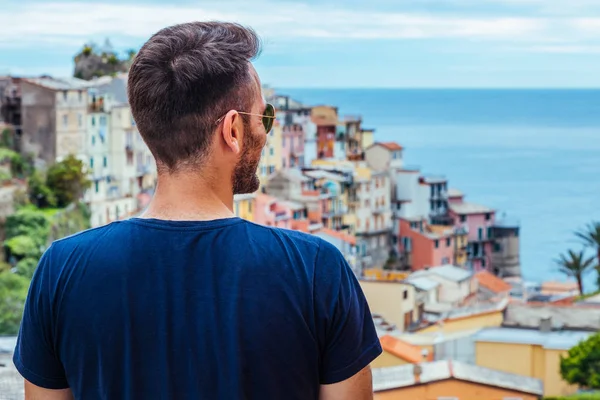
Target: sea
x=533, y=155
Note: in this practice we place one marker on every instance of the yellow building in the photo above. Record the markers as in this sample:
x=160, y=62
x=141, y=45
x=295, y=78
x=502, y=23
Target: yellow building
x=395, y=302
x=367, y=138
x=244, y=206
x=271, y=159
x=532, y=353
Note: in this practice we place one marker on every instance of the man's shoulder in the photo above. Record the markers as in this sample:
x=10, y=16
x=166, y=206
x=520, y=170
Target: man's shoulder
x=306, y=242
x=84, y=239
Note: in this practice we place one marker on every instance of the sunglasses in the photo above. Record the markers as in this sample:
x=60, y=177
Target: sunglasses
x=268, y=117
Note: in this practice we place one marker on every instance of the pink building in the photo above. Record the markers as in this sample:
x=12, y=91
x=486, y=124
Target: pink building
x=478, y=221
x=269, y=211
x=293, y=146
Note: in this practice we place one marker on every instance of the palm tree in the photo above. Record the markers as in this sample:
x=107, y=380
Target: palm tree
x=590, y=236
x=575, y=264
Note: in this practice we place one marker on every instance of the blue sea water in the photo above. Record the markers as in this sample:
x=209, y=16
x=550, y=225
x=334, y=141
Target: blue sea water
x=532, y=154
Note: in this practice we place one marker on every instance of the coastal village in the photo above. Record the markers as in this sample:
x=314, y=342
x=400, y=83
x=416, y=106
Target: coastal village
x=441, y=274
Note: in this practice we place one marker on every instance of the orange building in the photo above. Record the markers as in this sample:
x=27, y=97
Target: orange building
x=326, y=120
x=452, y=380
x=426, y=246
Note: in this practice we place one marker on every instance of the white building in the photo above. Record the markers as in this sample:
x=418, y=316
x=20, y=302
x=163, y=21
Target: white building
x=120, y=164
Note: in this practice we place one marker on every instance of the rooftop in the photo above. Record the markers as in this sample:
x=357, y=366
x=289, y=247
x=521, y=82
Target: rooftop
x=557, y=340
x=60, y=83
x=293, y=175
x=570, y=317
x=422, y=283
x=449, y=272
x=455, y=193
x=491, y=282
x=391, y=146
x=469, y=208
x=401, y=349
x=434, y=179
x=344, y=237
x=404, y=376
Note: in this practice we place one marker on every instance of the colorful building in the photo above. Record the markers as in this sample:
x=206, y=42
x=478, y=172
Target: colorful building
x=384, y=156
x=244, y=206
x=532, y=353
x=478, y=222
x=271, y=159
x=326, y=120
x=370, y=199
x=452, y=380
x=292, y=146
x=393, y=301
x=423, y=246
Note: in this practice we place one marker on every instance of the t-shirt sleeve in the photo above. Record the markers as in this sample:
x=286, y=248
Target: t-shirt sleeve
x=35, y=357
x=346, y=331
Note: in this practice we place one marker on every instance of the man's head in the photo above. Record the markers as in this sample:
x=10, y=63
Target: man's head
x=186, y=87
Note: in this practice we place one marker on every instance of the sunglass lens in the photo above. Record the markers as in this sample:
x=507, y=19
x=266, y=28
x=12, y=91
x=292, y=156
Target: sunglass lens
x=268, y=117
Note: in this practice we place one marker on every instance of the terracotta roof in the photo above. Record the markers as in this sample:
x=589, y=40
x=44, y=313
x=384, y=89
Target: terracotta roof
x=399, y=348
x=492, y=283
x=391, y=146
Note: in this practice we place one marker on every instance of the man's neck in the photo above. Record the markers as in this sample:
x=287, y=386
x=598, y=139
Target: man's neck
x=189, y=198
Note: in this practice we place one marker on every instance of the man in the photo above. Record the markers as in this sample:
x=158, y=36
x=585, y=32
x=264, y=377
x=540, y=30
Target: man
x=188, y=301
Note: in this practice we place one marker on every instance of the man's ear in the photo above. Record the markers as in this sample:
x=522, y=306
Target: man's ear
x=231, y=132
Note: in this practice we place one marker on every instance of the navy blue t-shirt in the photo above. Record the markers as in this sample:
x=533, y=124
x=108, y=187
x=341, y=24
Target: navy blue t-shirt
x=223, y=309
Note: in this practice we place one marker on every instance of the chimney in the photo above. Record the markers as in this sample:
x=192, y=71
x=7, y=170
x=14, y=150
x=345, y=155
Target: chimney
x=546, y=324
x=417, y=371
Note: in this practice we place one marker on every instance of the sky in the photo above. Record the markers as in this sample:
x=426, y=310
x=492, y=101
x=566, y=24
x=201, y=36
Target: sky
x=337, y=43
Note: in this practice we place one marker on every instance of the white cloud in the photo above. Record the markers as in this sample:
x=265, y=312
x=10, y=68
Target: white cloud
x=68, y=23
x=565, y=49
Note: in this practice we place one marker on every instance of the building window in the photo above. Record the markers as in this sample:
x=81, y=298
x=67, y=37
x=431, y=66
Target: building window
x=488, y=216
x=271, y=151
x=92, y=162
x=93, y=121
x=93, y=140
x=102, y=120
x=405, y=294
x=436, y=244
x=117, y=211
x=483, y=263
x=480, y=233
x=80, y=120
x=448, y=242
x=97, y=186
x=445, y=261
x=105, y=162
x=250, y=206
x=463, y=218
x=80, y=95
x=65, y=95
x=65, y=121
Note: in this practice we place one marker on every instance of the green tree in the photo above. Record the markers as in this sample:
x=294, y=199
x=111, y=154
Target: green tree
x=68, y=180
x=23, y=246
x=582, y=364
x=26, y=267
x=39, y=193
x=30, y=223
x=590, y=236
x=575, y=265
x=13, y=291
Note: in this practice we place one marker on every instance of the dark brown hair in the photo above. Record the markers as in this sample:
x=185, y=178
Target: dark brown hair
x=185, y=78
